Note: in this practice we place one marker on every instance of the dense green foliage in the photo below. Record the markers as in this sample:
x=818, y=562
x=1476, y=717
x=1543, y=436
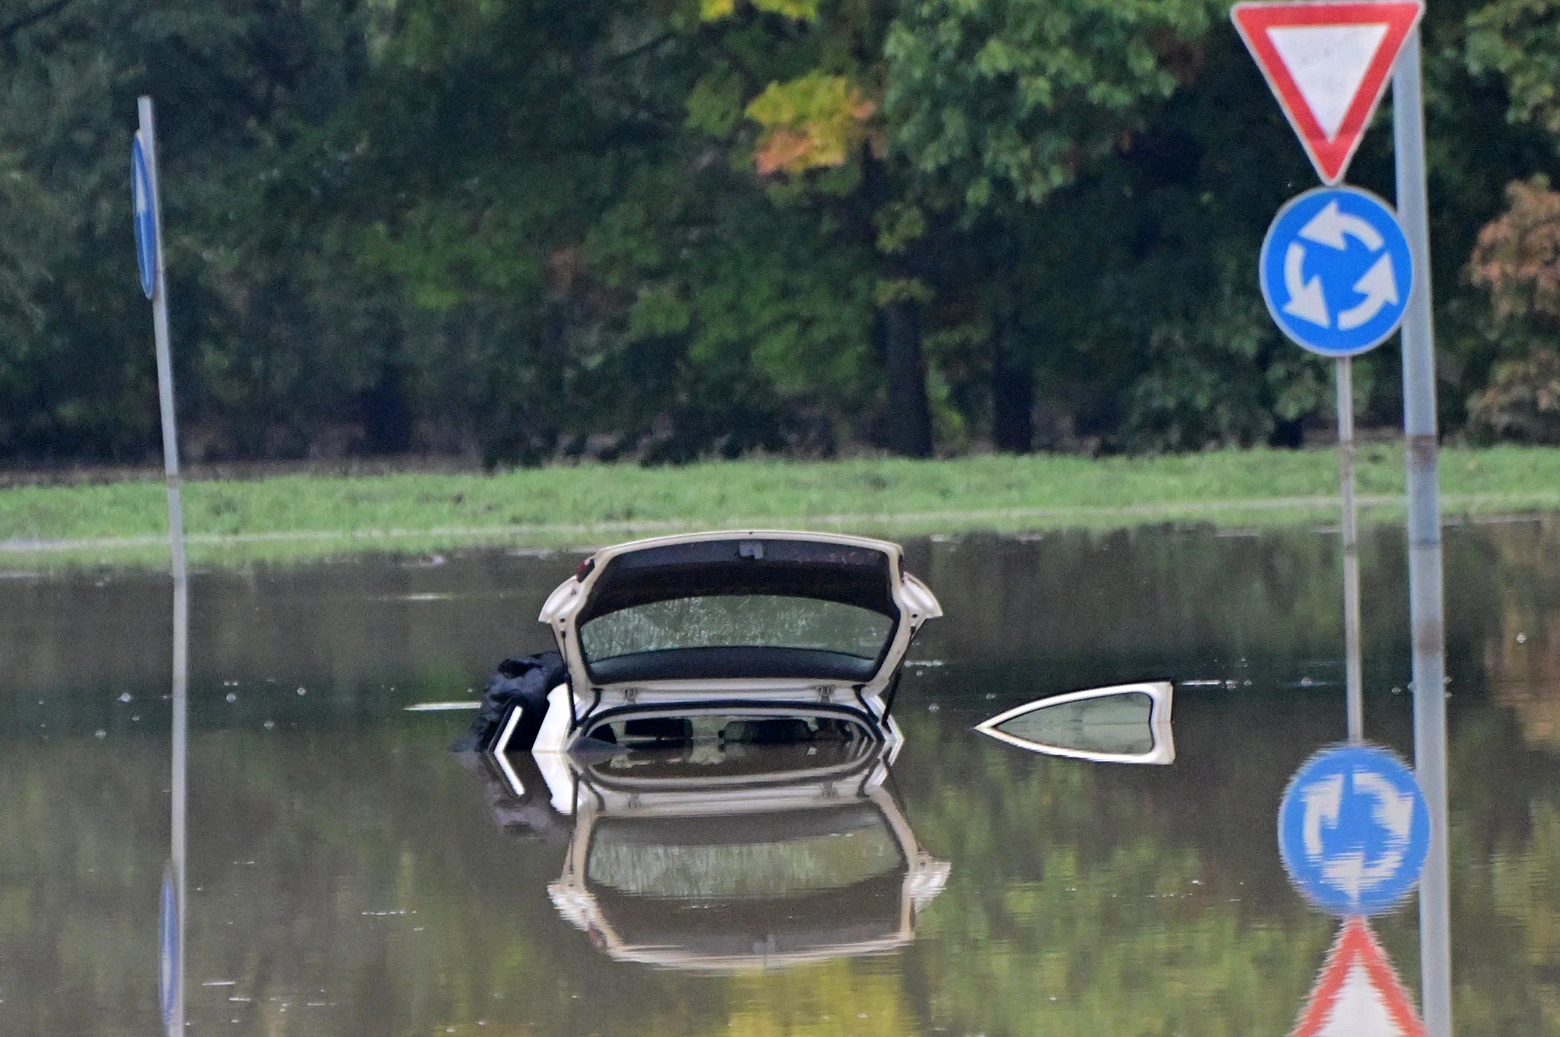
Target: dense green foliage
x=519, y=229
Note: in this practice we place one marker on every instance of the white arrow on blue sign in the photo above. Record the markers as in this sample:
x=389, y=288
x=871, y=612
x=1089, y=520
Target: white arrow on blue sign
x=145, y=217
x=1337, y=271
x=1354, y=830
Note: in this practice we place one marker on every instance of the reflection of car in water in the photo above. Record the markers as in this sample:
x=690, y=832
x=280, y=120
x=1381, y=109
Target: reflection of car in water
x=725, y=856
x=736, y=638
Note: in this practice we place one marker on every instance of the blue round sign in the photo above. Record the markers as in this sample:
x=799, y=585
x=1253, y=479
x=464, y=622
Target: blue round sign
x=1354, y=830
x=1336, y=271
x=145, y=217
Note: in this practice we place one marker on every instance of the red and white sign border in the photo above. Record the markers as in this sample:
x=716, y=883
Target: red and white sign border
x=1252, y=20
x=1356, y=945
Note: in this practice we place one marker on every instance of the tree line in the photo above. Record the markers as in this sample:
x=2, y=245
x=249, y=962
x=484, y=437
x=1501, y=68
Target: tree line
x=521, y=230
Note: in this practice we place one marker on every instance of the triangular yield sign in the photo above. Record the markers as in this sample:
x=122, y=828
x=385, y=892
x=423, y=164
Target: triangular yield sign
x=1358, y=994
x=1328, y=64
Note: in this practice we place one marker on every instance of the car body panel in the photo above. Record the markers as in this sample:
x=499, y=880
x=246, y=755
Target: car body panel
x=848, y=569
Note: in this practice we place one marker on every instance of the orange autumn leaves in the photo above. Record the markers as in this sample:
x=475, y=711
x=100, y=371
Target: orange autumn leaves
x=1517, y=261
x=811, y=122
x=1518, y=255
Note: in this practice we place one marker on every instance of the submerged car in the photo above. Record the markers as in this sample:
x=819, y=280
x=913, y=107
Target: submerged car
x=746, y=637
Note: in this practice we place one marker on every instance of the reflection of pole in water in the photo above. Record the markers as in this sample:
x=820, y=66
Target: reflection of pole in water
x=174, y=1010
x=173, y=928
x=1424, y=542
x=1351, y=552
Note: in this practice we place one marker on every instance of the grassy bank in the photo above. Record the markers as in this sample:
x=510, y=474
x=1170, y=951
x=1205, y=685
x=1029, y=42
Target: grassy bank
x=299, y=516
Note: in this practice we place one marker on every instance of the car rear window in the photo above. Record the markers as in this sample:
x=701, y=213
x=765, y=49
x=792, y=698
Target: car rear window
x=737, y=620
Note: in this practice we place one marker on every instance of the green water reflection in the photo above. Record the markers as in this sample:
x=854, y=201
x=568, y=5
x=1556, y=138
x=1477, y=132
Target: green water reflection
x=348, y=877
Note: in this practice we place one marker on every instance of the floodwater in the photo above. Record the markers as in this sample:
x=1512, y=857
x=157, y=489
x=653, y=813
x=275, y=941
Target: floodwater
x=348, y=876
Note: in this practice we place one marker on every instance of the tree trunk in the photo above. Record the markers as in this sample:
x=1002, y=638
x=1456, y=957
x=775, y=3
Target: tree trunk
x=1012, y=398
x=387, y=416
x=907, y=427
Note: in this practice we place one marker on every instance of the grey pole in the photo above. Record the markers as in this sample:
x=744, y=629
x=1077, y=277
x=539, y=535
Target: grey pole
x=181, y=608
x=170, y=432
x=1426, y=609
x=177, y=844
x=1351, y=552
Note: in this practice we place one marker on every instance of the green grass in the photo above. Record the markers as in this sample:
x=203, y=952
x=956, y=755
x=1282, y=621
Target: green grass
x=299, y=516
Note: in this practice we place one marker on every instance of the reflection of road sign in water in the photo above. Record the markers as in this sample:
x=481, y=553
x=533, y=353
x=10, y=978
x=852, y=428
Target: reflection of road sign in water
x=1358, y=993
x=1354, y=830
x=145, y=217
x=168, y=947
x=1336, y=271
x=1328, y=65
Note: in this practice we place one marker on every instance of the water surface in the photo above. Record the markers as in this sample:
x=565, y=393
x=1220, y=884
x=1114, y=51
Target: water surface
x=348, y=876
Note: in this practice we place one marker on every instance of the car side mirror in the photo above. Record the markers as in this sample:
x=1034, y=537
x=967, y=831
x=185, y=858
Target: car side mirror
x=1126, y=723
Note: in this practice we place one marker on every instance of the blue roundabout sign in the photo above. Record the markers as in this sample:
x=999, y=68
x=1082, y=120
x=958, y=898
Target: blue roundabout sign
x=1337, y=271
x=1354, y=830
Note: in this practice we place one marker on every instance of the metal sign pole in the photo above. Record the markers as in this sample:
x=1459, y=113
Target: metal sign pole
x=1426, y=608
x=177, y=844
x=173, y=1011
x=1323, y=59
x=170, y=432
x=1351, y=552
